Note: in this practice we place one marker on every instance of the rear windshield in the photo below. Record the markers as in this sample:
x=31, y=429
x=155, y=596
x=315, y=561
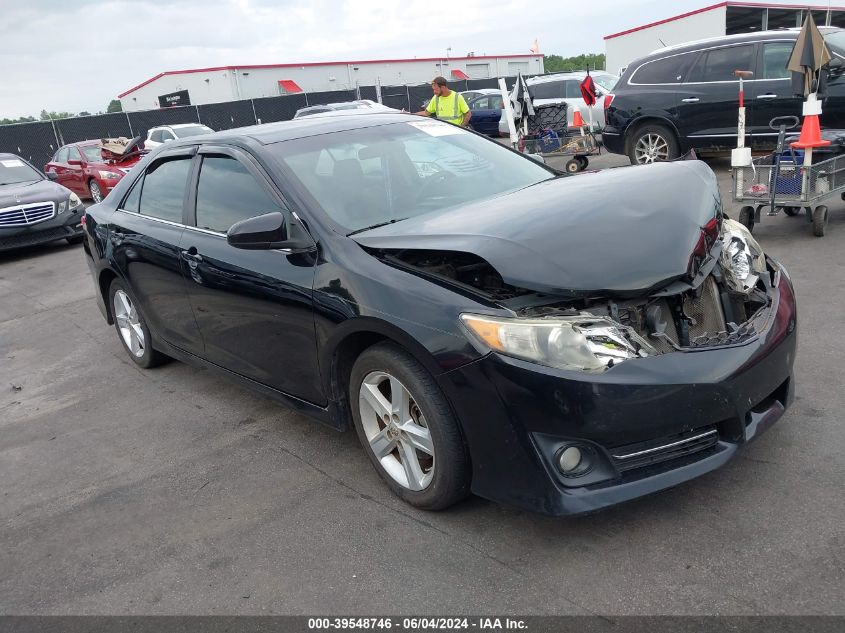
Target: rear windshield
x=14, y=171
x=194, y=130
x=606, y=81
x=836, y=42
x=93, y=153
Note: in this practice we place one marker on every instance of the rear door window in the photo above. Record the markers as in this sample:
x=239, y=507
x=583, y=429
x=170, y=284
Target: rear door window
x=719, y=64
x=668, y=70
x=156, y=136
x=61, y=156
x=775, y=57
x=228, y=193
x=573, y=89
x=73, y=154
x=163, y=189
x=548, y=90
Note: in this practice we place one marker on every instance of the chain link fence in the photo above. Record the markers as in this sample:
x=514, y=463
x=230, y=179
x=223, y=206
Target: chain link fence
x=38, y=141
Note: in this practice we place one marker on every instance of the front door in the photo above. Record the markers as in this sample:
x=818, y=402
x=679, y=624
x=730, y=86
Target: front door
x=145, y=236
x=708, y=101
x=254, y=308
x=486, y=113
x=771, y=93
x=75, y=175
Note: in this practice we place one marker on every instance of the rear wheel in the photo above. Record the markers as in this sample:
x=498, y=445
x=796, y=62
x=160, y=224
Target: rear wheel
x=407, y=428
x=820, y=221
x=746, y=217
x=131, y=327
x=96, y=192
x=573, y=166
x=653, y=143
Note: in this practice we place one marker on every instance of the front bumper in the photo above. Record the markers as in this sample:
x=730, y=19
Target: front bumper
x=517, y=416
x=62, y=226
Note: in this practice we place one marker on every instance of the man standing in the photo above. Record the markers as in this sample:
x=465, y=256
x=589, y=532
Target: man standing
x=447, y=105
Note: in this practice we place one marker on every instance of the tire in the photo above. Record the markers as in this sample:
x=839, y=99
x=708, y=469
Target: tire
x=820, y=221
x=75, y=239
x=792, y=211
x=143, y=353
x=652, y=143
x=572, y=166
x=583, y=161
x=96, y=193
x=430, y=481
x=746, y=218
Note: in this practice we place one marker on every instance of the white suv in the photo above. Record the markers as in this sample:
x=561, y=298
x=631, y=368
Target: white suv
x=164, y=133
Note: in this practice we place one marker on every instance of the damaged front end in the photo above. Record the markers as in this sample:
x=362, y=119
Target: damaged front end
x=724, y=299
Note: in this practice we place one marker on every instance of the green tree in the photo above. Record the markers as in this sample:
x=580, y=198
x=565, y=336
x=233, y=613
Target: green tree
x=23, y=119
x=588, y=61
x=46, y=116
x=115, y=106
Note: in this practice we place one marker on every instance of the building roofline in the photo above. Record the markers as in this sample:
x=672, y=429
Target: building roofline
x=312, y=64
x=761, y=5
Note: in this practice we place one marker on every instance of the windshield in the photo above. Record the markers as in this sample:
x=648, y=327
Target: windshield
x=836, y=42
x=382, y=174
x=606, y=81
x=93, y=153
x=14, y=171
x=194, y=130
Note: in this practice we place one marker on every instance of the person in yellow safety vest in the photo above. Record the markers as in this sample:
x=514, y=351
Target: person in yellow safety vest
x=447, y=105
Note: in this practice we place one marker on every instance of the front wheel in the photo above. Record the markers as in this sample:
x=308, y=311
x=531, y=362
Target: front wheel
x=407, y=428
x=653, y=143
x=96, y=192
x=746, y=217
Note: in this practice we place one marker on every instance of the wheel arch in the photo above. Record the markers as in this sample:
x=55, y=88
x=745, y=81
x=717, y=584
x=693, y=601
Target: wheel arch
x=104, y=281
x=653, y=119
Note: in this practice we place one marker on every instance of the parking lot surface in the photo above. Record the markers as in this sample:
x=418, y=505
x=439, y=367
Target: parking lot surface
x=174, y=491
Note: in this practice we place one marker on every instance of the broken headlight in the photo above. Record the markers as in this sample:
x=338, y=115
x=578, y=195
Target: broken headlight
x=742, y=258
x=581, y=342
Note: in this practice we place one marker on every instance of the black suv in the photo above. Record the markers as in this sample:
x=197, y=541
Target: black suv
x=686, y=97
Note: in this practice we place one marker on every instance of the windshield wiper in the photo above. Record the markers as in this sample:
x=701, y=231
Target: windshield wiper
x=375, y=226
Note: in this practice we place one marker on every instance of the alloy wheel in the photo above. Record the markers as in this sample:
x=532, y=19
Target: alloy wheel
x=128, y=323
x=651, y=148
x=396, y=430
x=96, y=194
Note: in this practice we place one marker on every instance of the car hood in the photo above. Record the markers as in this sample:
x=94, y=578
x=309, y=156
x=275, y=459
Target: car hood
x=620, y=231
x=25, y=193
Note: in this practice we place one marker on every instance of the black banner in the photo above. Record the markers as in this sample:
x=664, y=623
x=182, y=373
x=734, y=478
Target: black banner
x=180, y=98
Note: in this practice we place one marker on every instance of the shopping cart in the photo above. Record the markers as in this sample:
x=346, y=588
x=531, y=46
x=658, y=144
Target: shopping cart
x=546, y=133
x=780, y=181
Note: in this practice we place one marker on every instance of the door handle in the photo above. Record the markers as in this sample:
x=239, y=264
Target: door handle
x=192, y=255
x=690, y=100
x=767, y=97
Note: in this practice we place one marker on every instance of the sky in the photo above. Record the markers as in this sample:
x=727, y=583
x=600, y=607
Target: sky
x=77, y=55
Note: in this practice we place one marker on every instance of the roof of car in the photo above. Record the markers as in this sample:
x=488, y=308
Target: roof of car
x=540, y=79
x=176, y=126
x=325, y=123
x=738, y=38
x=8, y=156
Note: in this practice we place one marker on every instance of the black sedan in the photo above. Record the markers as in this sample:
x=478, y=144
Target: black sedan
x=559, y=343
x=34, y=210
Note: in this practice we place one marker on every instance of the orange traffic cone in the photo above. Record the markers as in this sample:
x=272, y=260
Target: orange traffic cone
x=811, y=134
x=577, y=119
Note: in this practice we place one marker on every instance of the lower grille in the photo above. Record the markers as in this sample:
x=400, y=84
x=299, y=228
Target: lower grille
x=26, y=214
x=654, y=452
x=37, y=237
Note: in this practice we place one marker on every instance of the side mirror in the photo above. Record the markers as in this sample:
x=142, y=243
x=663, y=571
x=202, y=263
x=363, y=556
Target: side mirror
x=837, y=66
x=51, y=175
x=73, y=161
x=267, y=232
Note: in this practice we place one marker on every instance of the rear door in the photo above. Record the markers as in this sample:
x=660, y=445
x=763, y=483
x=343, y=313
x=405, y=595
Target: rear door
x=145, y=235
x=254, y=308
x=59, y=167
x=486, y=112
x=771, y=92
x=709, y=98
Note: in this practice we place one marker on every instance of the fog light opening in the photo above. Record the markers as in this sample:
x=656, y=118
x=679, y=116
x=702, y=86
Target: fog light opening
x=569, y=460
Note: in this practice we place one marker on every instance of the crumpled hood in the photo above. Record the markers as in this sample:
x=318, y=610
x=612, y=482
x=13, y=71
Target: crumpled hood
x=619, y=231
x=40, y=191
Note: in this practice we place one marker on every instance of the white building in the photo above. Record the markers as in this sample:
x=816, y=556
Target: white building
x=725, y=18
x=231, y=83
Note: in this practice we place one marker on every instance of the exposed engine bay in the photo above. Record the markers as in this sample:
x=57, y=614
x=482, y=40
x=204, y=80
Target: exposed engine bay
x=724, y=300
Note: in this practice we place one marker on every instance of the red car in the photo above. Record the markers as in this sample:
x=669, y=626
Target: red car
x=91, y=170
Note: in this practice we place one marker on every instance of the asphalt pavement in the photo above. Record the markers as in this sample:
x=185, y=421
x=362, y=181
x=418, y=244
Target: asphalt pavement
x=174, y=491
